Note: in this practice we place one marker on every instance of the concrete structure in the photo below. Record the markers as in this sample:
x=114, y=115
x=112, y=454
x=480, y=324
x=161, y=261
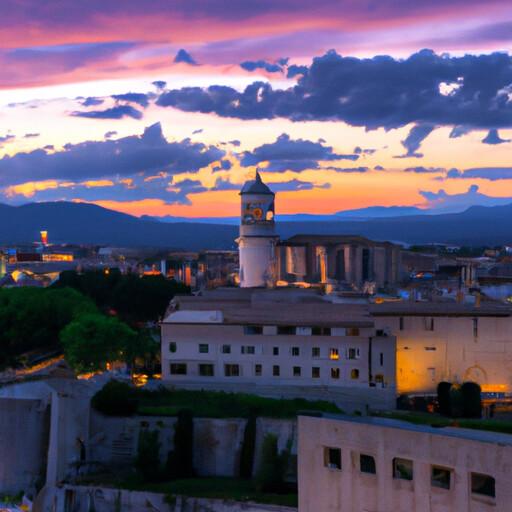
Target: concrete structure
x=349, y=464
x=282, y=342
x=257, y=239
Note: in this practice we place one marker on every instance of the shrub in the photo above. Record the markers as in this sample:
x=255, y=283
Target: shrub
x=247, y=452
x=180, y=463
x=456, y=401
x=443, y=398
x=147, y=462
x=116, y=399
x=269, y=477
x=471, y=400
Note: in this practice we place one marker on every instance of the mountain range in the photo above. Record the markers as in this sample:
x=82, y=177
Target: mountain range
x=83, y=223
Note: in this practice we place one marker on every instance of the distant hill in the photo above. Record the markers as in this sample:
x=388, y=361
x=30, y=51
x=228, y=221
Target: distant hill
x=91, y=224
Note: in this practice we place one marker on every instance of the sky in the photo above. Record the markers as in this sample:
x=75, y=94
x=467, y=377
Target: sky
x=165, y=108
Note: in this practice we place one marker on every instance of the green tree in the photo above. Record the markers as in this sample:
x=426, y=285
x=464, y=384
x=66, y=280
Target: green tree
x=92, y=340
x=443, y=398
x=180, y=463
x=269, y=477
x=147, y=462
x=471, y=399
x=116, y=398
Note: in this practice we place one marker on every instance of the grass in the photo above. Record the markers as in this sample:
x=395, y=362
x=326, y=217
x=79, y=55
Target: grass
x=418, y=418
x=218, y=404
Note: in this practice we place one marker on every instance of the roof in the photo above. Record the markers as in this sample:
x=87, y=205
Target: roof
x=335, y=239
x=256, y=186
x=406, y=308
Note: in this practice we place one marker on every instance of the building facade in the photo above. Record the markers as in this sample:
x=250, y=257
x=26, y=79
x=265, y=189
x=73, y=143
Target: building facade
x=350, y=464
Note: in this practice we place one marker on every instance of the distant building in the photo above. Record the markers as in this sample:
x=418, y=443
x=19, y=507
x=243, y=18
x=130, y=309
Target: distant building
x=351, y=464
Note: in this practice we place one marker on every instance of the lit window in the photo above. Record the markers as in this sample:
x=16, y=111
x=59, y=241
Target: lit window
x=367, y=464
x=402, y=469
x=334, y=353
x=231, y=370
x=206, y=370
x=335, y=373
x=354, y=374
x=276, y=370
x=253, y=329
x=226, y=349
x=275, y=351
x=332, y=458
x=172, y=347
x=296, y=371
x=353, y=331
x=203, y=348
x=440, y=477
x=178, y=369
x=295, y=351
x=315, y=352
x=483, y=484
x=258, y=370
x=248, y=349
x=315, y=372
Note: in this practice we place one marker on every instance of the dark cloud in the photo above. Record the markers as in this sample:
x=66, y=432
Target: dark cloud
x=425, y=170
x=6, y=138
x=195, y=132
x=159, y=84
x=133, y=97
x=363, y=151
x=484, y=173
x=148, y=154
x=493, y=137
x=269, y=67
x=347, y=169
x=110, y=134
x=376, y=92
x=294, y=155
x=295, y=70
x=414, y=139
x=379, y=168
x=91, y=102
x=459, y=131
x=117, y=112
x=225, y=165
x=282, y=186
x=184, y=57
x=31, y=135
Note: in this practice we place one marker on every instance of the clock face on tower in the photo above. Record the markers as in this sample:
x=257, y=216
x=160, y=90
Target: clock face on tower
x=256, y=213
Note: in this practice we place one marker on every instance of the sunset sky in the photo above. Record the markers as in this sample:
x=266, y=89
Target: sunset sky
x=166, y=107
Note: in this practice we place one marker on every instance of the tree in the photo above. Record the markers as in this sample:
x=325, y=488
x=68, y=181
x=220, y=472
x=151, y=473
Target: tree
x=147, y=462
x=247, y=452
x=92, y=340
x=180, y=463
x=443, y=398
x=116, y=398
x=269, y=477
x=471, y=399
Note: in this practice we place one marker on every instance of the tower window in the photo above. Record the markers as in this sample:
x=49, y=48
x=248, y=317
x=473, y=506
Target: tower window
x=440, y=477
x=367, y=464
x=332, y=458
x=484, y=485
x=402, y=469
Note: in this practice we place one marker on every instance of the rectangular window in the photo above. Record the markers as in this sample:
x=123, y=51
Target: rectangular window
x=203, y=348
x=367, y=464
x=315, y=352
x=401, y=323
x=428, y=323
x=354, y=374
x=206, y=370
x=334, y=354
x=315, y=372
x=430, y=349
x=332, y=458
x=178, y=368
x=353, y=331
x=402, y=469
x=381, y=358
x=231, y=370
x=295, y=351
x=258, y=370
x=475, y=327
x=440, y=477
x=172, y=347
x=286, y=329
x=296, y=371
x=353, y=353
x=335, y=373
x=484, y=485
x=226, y=349
x=275, y=351
x=253, y=329
x=321, y=331
x=276, y=370
x=248, y=349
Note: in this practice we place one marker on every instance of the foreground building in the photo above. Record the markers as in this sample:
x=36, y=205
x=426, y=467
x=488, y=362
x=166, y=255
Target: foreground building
x=350, y=464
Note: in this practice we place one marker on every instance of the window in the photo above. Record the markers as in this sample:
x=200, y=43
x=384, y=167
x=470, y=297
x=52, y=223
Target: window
x=353, y=353
x=381, y=359
x=231, y=370
x=484, y=485
x=402, y=469
x=275, y=351
x=206, y=370
x=401, y=323
x=428, y=323
x=203, y=348
x=295, y=351
x=226, y=349
x=248, y=349
x=258, y=370
x=430, y=349
x=253, y=329
x=178, y=369
x=285, y=329
x=379, y=378
x=321, y=331
x=440, y=477
x=475, y=327
x=315, y=352
x=354, y=374
x=334, y=353
x=353, y=331
x=276, y=371
x=367, y=464
x=172, y=347
x=296, y=371
x=315, y=372
x=335, y=373
x=332, y=458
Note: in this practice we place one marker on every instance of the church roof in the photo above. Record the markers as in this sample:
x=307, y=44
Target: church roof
x=256, y=186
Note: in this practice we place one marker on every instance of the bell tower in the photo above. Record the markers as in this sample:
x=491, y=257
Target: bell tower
x=257, y=241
